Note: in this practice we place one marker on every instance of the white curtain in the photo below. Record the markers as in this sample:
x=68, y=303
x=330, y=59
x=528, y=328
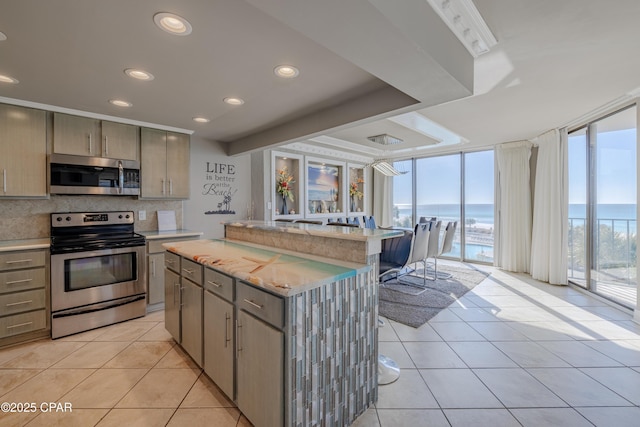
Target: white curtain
x=513, y=207
x=550, y=217
x=382, y=199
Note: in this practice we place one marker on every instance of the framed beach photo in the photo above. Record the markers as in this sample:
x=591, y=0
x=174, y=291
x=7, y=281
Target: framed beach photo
x=324, y=189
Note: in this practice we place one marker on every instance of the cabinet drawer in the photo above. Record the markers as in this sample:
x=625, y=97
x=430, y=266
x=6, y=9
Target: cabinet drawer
x=22, y=259
x=20, y=302
x=172, y=261
x=21, y=323
x=218, y=283
x=20, y=280
x=192, y=271
x=264, y=305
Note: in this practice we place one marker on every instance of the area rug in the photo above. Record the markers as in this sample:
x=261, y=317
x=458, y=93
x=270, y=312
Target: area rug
x=414, y=306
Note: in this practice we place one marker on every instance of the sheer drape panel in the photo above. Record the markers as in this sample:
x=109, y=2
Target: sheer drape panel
x=513, y=207
x=550, y=205
x=382, y=199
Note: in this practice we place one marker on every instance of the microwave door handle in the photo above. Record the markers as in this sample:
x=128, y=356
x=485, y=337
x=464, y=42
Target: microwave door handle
x=120, y=177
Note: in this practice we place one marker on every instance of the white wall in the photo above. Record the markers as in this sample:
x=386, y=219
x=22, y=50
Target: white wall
x=213, y=176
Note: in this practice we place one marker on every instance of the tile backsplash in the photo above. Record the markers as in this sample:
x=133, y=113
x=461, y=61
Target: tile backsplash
x=29, y=218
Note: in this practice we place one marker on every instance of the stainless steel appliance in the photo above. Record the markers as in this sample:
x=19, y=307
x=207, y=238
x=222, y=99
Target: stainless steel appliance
x=93, y=175
x=98, y=272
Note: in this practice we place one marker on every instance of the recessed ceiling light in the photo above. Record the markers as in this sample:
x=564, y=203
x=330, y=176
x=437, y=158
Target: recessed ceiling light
x=173, y=24
x=8, y=79
x=3, y=36
x=120, y=103
x=234, y=101
x=286, y=71
x=139, y=74
x=201, y=120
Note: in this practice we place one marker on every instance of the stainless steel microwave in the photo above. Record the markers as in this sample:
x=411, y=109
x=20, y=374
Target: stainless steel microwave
x=93, y=175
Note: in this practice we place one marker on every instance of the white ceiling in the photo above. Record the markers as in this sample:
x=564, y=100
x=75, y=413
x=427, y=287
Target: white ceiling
x=361, y=61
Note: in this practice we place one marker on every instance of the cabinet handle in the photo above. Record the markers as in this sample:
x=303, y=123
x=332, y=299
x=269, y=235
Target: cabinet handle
x=13, y=282
x=153, y=267
x=169, y=261
x=258, y=306
x=181, y=289
x=175, y=285
x=217, y=285
x=11, y=304
x=188, y=271
x=90, y=151
x=238, y=339
x=106, y=145
x=4, y=180
x=18, y=261
x=170, y=186
x=163, y=186
x=19, y=324
x=227, y=322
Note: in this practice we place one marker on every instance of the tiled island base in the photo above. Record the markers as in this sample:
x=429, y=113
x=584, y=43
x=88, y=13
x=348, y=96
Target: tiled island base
x=332, y=365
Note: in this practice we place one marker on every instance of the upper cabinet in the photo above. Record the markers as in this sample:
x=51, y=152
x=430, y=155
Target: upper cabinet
x=23, y=152
x=164, y=166
x=120, y=141
x=85, y=136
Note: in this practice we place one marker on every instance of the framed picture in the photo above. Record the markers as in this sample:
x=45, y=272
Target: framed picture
x=324, y=189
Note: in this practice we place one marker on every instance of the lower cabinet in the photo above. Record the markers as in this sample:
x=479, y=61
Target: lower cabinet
x=191, y=320
x=172, y=303
x=183, y=304
x=260, y=371
x=24, y=296
x=155, y=294
x=219, y=343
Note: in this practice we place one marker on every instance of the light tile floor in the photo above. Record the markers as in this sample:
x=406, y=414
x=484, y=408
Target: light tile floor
x=512, y=352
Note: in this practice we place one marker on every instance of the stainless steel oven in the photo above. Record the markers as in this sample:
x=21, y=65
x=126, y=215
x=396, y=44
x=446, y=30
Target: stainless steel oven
x=98, y=272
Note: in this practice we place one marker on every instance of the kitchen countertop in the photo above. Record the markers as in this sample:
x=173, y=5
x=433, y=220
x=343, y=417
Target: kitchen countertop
x=278, y=271
x=25, y=244
x=329, y=231
x=169, y=234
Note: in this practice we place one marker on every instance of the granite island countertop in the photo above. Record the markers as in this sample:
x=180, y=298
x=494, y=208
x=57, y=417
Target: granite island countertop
x=278, y=271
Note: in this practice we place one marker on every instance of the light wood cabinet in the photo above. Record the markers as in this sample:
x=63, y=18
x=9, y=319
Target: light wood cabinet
x=84, y=136
x=76, y=135
x=164, y=165
x=260, y=371
x=172, y=303
x=120, y=141
x=24, y=296
x=219, y=343
x=23, y=152
x=191, y=319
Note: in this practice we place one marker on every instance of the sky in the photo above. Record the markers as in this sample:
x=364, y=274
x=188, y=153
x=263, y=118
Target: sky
x=615, y=167
x=438, y=178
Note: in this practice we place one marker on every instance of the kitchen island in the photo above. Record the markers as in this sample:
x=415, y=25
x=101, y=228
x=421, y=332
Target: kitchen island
x=304, y=345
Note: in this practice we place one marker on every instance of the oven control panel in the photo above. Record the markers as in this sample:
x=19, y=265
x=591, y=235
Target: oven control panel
x=75, y=219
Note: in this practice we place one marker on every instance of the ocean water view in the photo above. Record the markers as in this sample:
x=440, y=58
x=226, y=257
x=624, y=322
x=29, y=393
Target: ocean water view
x=483, y=213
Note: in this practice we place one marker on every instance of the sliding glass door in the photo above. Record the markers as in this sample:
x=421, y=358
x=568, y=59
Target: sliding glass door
x=454, y=187
x=602, y=207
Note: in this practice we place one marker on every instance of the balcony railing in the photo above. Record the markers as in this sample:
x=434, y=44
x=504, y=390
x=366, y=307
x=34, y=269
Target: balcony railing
x=614, y=258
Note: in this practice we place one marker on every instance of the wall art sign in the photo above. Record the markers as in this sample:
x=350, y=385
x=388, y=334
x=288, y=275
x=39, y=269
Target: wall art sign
x=220, y=184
